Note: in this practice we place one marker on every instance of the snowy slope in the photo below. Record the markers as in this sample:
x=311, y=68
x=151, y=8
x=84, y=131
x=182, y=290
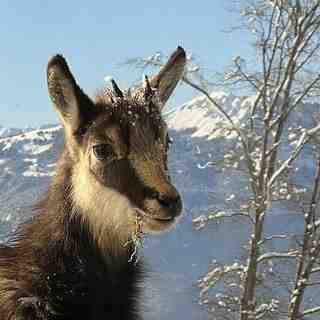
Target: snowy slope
x=206, y=122
x=179, y=257
x=7, y=132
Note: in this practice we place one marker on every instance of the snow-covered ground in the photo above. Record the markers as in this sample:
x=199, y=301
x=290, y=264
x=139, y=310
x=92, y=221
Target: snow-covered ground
x=178, y=258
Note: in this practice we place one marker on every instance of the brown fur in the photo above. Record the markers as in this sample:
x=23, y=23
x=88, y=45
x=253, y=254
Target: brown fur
x=73, y=260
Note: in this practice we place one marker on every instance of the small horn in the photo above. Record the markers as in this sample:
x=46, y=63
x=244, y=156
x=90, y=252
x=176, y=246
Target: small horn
x=116, y=89
x=148, y=92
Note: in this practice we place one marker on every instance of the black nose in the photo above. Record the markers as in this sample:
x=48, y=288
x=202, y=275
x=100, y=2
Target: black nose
x=170, y=200
x=173, y=203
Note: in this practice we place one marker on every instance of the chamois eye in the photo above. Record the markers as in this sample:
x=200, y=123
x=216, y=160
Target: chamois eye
x=103, y=151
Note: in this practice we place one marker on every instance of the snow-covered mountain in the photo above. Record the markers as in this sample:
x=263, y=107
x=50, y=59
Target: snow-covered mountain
x=179, y=257
x=7, y=132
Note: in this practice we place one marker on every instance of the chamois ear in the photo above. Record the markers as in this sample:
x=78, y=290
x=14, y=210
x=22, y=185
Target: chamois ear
x=72, y=104
x=169, y=75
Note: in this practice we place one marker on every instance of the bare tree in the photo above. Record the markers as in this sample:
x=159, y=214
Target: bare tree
x=286, y=39
x=287, y=43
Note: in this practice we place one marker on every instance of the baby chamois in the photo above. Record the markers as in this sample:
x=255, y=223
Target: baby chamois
x=75, y=258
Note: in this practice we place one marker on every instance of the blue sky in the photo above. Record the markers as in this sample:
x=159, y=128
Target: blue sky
x=95, y=37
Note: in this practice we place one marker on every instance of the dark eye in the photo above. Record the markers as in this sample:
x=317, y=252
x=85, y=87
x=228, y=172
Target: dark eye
x=103, y=152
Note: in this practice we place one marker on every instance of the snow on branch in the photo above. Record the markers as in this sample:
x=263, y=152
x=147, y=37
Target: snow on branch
x=262, y=310
x=274, y=237
x=311, y=311
x=278, y=255
x=305, y=137
x=315, y=270
x=216, y=274
x=202, y=220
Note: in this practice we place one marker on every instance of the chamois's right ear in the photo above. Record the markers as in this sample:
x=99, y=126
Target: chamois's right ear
x=74, y=107
x=169, y=75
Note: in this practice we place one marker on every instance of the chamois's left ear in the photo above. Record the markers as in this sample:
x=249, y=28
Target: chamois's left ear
x=74, y=107
x=169, y=75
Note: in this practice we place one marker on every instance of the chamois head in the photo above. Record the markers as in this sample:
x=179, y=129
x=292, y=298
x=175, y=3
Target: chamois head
x=117, y=147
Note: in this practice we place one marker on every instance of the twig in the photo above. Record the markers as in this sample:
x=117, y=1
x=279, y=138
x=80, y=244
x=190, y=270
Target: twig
x=305, y=137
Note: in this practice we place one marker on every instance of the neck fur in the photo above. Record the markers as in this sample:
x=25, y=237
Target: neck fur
x=109, y=215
